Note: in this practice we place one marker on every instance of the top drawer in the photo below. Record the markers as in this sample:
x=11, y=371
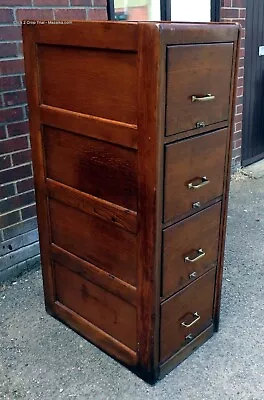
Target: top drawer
x=193, y=73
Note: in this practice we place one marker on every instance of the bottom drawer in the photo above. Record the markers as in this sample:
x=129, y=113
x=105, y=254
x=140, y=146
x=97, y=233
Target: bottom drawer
x=186, y=314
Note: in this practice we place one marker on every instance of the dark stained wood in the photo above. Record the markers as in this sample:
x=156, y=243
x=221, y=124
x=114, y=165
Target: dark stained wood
x=96, y=275
x=96, y=241
x=201, y=231
x=97, y=34
x=95, y=127
x=89, y=84
x=188, y=162
x=97, y=336
x=95, y=206
x=223, y=223
x=91, y=166
x=98, y=306
x=197, y=70
x=32, y=83
x=110, y=182
x=198, y=298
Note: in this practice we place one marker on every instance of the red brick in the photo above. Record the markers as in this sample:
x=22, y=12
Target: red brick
x=9, y=219
x=236, y=153
x=29, y=212
x=18, y=128
x=239, y=109
x=11, y=114
x=27, y=14
x=239, y=100
x=8, y=50
x=97, y=14
x=17, y=201
x=25, y=185
x=15, y=98
x=241, y=21
x=53, y=3
x=13, y=174
x=15, y=2
x=241, y=62
x=8, y=67
x=9, y=33
x=21, y=157
x=86, y=3
x=14, y=144
x=237, y=144
x=20, y=49
x=10, y=83
x=7, y=190
x=242, y=13
x=70, y=14
x=6, y=15
x=2, y=132
x=5, y=162
x=238, y=126
x=242, y=53
x=241, y=72
x=240, y=81
x=230, y=12
x=239, y=3
x=239, y=91
x=238, y=118
x=100, y=3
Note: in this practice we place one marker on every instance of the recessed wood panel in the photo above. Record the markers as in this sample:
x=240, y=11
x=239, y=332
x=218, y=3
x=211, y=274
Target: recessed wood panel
x=89, y=81
x=193, y=306
x=185, y=239
x=98, y=306
x=198, y=70
x=101, y=243
x=189, y=162
x=98, y=168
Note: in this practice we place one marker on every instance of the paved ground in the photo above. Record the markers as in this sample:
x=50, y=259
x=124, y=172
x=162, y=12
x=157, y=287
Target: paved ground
x=42, y=359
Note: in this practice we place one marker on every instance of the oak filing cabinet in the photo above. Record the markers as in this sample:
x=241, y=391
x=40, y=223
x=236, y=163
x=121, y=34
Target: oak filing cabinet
x=131, y=138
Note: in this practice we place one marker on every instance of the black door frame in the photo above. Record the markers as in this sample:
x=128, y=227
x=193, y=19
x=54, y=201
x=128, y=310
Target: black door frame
x=165, y=10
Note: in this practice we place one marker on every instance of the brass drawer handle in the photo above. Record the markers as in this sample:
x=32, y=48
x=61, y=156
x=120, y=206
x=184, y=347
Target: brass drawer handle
x=201, y=254
x=208, y=97
x=196, y=319
x=204, y=182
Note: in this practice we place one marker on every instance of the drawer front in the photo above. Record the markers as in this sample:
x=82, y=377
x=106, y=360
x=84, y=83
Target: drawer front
x=198, y=70
x=190, y=249
x=186, y=315
x=194, y=173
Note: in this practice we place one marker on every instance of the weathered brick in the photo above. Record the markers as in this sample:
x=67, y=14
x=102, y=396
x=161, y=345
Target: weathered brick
x=15, y=2
x=18, y=242
x=20, y=228
x=2, y=132
x=38, y=14
x=8, y=50
x=10, y=33
x=5, y=162
x=9, y=219
x=10, y=83
x=21, y=157
x=17, y=202
x=17, y=270
x=18, y=128
x=53, y=3
x=11, y=114
x=20, y=255
x=6, y=16
x=237, y=144
x=13, y=144
x=25, y=185
x=239, y=3
x=13, y=174
x=239, y=91
x=7, y=190
x=97, y=14
x=28, y=212
x=86, y=3
x=70, y=14
x=230, y=12
x=239, y=109
x=100, y=3
x=12, y=67
x=238, y=126
x=15, y=98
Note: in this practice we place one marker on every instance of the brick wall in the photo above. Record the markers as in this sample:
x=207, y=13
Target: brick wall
x=235, y=10
x=19, y=248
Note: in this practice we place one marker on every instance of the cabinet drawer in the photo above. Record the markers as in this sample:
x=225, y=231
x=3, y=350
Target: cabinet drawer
x=186, y=315
x=190, y=249
x=194, y=173
x=197, y=70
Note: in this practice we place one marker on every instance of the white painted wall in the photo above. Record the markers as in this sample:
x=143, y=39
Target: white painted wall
x=191, y=10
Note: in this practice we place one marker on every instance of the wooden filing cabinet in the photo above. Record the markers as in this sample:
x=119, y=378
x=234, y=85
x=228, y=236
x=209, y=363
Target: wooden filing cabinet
x=131, y=140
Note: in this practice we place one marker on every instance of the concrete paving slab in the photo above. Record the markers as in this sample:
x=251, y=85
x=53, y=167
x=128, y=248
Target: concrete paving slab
x=255, y=170
x=42, y=359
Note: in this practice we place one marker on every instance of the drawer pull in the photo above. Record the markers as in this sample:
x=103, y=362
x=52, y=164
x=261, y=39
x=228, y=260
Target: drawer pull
x=193, y=275
x=204, y=182
x=201, y=254
x=196, y=319
x=208, y=97
x=200, y=124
